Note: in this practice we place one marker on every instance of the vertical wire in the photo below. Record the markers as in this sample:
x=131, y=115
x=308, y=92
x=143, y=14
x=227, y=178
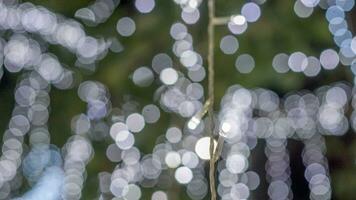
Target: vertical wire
x=211, y=34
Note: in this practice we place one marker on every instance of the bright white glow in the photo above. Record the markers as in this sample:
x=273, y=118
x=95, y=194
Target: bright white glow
x=117, y=128
x=238, y=20
x=173, y=159
x=193, y=3
x=159, y=195
x=310, y=3
x=226, y=127
x=193, y=123
x=202, y=148
x=236, y=163
x=169, y=76
x=183, y=175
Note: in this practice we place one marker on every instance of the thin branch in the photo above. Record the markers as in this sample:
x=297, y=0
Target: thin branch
x=196, y=119
x=221, y=20
x=211, y=8
x=204, y=110
x=219, y=148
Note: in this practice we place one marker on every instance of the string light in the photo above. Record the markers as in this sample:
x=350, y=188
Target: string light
x=246, y=115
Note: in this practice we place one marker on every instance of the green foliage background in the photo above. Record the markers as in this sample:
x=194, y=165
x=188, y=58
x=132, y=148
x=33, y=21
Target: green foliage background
x=278, y=30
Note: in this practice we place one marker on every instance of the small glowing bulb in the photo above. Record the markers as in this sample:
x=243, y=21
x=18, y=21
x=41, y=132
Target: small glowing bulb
x=202, y=148
x=238, y=20
x=173, y=159
x=193, y=123
x=193, y=3
x=225, y=128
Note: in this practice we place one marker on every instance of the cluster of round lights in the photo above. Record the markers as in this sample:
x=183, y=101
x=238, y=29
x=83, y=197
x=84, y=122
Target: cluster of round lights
x=43, y=166
x=308, y=65
x=303, y=114
x=316, y=168
x=338, y=27
x=23, y=52
x=238, y=24
x=78, y=150
x=29, y=116
x=177, y=93
x=98, y=12
x=297, y=61
x=277, y=169
x=181, y=153
x=250, y=114
x=190, y=10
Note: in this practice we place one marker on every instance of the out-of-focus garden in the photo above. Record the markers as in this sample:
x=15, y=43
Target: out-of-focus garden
x=278, y=30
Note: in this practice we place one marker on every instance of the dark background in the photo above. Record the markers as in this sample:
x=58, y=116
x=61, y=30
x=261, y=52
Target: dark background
x=278, y=30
